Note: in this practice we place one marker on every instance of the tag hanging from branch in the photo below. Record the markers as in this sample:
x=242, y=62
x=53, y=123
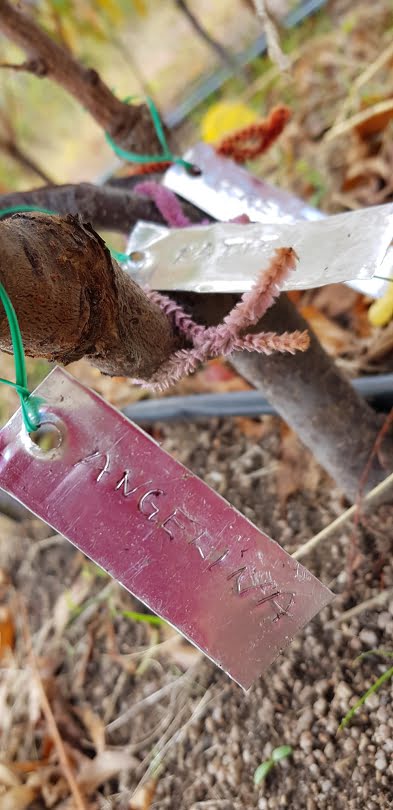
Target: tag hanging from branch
x=160, y=531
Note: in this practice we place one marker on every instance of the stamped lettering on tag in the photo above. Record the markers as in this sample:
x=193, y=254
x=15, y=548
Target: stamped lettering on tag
x=160, y=531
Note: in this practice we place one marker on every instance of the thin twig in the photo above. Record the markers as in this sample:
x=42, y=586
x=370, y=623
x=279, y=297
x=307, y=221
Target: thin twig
x=358, y=119
x=49, y=717
x=362, y=79
x=147, y=701
x=28, y=66
x=374, y=494
x=205, y=701
x=272, y=37
x=379, y=599
x=359, y=497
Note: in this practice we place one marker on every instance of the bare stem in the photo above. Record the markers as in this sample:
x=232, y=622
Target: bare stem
x=130, y=126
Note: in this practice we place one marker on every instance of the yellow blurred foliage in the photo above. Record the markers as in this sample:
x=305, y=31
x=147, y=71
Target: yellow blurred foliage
x=226, y=117
x=140, y=7
x=381, y=311
x=112, y=10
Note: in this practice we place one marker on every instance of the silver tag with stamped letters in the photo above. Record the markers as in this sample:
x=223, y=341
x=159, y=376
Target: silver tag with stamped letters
x=327, y=252
x=158, y=529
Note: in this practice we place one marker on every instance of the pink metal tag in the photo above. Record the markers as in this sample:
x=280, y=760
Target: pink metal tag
x=160, y=531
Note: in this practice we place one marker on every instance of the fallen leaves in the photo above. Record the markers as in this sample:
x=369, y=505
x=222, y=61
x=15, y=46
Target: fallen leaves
x=7, y=630
x=18, y=798
x=333, y=338
x=104, y=766
x=297, y=469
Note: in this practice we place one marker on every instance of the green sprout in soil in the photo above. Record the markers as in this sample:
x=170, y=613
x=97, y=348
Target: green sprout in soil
x=386, y=676
x=263, y=770
x=148, y=618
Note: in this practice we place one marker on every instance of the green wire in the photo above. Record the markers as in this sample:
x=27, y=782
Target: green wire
x=29, y=404
x=19, y=209
x=166, y=154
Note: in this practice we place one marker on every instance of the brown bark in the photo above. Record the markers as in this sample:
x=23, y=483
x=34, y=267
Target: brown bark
x=72, y=300
x=130, y=126
x=318, y=402
x=112, y=207
x=310, y=393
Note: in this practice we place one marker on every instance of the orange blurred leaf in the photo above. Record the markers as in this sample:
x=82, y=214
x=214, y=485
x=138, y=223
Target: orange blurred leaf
x=297, y=470
x=7, y=631
x=377, y=121
x=334, y=339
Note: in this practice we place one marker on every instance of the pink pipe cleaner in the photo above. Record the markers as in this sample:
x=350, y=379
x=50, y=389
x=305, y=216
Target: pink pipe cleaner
x=228, y=337
x=166, y=201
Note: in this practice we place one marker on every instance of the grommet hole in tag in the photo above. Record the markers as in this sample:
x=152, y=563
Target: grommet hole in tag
x=137, y=257
x=47, y=442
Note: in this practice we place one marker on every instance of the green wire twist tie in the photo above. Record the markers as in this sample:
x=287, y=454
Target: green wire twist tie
x=29, y=404
x=166, y=155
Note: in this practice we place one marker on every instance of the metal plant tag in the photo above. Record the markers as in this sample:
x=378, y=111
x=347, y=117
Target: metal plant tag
x=228, y=257
x=225, y=190
x=160, y=531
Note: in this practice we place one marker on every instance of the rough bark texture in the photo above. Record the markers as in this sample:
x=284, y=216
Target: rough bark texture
x=131, y=127
x=72, y=300
x=317, y=401
x=112, y=207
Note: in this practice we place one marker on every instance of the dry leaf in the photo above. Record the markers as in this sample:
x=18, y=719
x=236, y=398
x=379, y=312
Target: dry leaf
x=7, y=631
x=333, y=338
x=68, y=602
x=253, y=428
x=104, y=766
x=94, y=727
x=7, y=777
x=297, y=470
x=335, y=299
x=381, y=345
x=144, y=796
x=29, y=765
x=18, y=798
x=376, y=122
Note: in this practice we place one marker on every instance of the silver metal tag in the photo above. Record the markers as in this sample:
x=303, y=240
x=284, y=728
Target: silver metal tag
x=160, y=531
x=225, y=190
x=228, y=257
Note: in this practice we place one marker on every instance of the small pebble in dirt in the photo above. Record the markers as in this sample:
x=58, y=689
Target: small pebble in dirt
x=320, y=707
x=369, y=638
x=381, y=762
x=373, y=701
x=306, y=741
x=305, y=720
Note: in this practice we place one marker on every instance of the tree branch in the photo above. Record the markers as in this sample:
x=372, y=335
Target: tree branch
x=130, y=126
x=19, y=156
x=319, y=403
x=72, y=300
x=111, y=207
